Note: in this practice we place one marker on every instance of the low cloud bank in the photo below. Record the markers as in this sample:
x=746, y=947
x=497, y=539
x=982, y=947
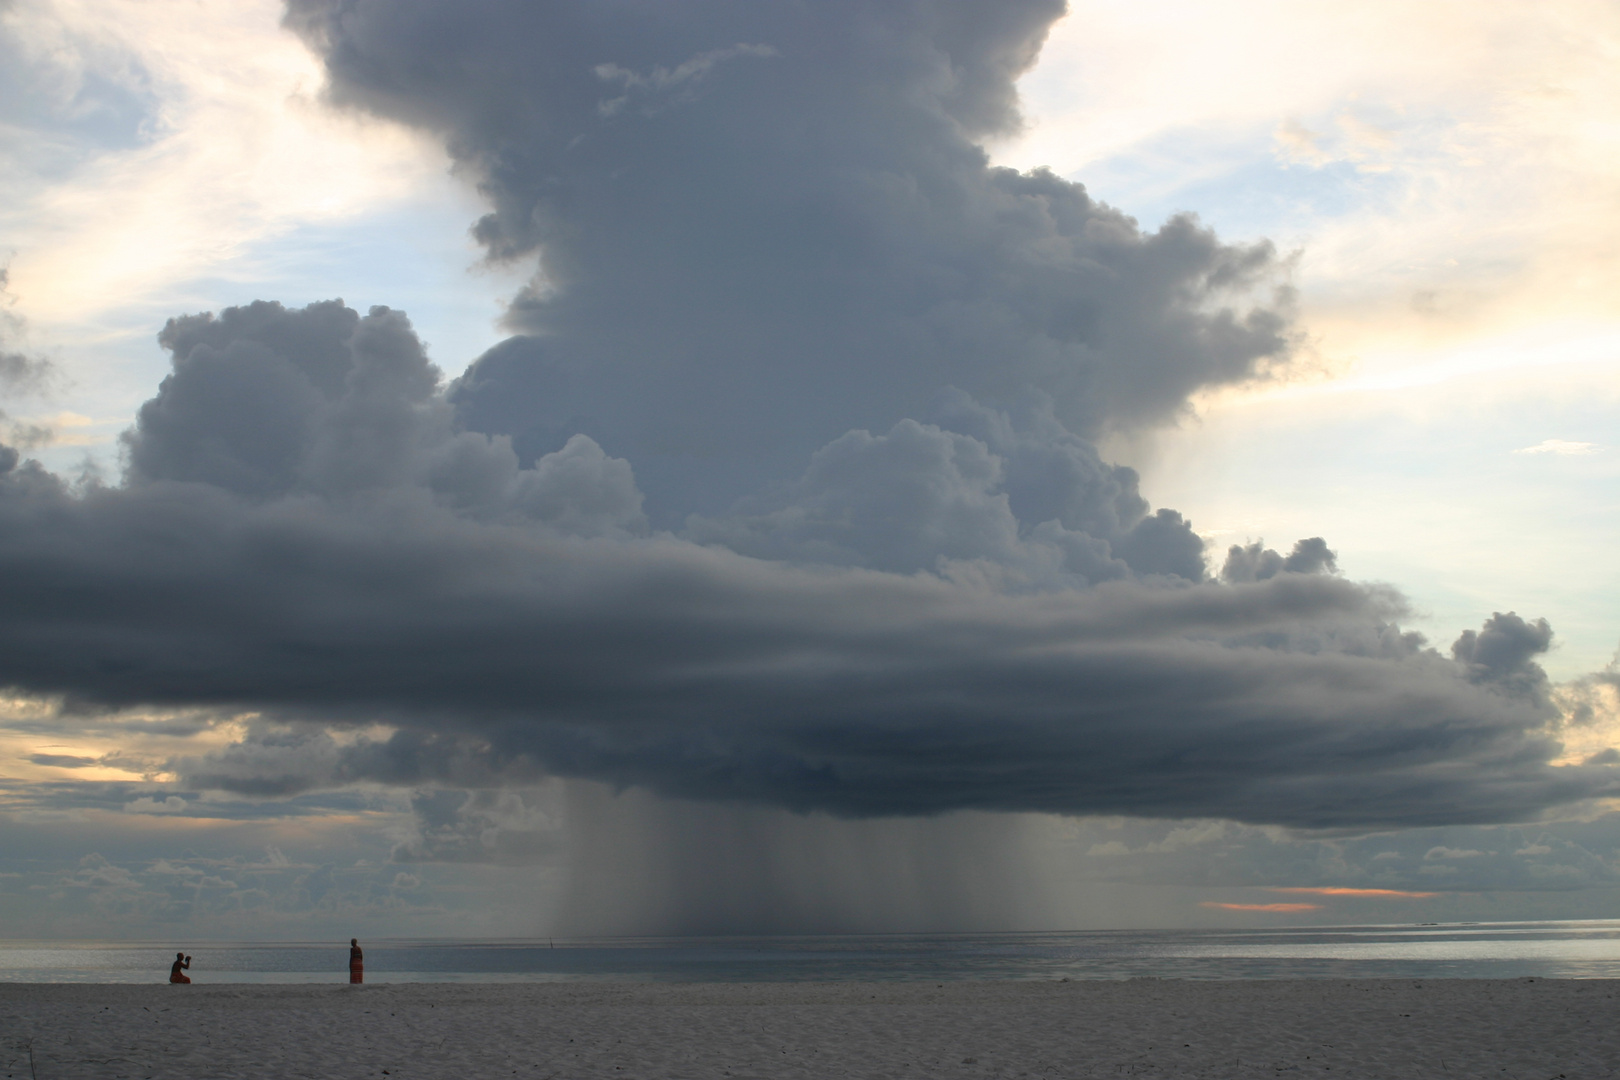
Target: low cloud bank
x=306, y=532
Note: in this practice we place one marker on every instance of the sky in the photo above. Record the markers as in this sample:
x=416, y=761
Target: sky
x=726, y=467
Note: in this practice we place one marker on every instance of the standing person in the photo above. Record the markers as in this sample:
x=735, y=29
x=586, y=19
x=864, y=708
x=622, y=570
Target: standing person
x=357, y=962
x=182, y=963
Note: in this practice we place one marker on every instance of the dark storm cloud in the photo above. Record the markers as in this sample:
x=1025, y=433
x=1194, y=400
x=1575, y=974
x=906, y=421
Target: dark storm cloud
x=768, y=236
x=786, y=298
x=965, y=488
x=377, y=564
x=266, y=403
x=763, y=225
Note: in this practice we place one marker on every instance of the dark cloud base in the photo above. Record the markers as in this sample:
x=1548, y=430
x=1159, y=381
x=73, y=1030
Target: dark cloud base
x=305, y=532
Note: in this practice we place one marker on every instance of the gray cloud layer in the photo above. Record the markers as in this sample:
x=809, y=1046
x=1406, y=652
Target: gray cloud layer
x=303, y=530
x=850, y=371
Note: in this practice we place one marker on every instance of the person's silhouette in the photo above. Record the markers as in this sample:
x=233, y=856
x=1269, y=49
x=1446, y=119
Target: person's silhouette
x=357, y=962
x=182, y=963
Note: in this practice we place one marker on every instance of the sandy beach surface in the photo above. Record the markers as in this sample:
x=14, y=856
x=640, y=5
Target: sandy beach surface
x=1145, y=1027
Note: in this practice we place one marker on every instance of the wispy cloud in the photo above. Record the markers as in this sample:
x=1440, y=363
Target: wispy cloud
x=1285, y=908
x=231, y=150
x=62, y=761
x=1560, y=446
x=150, y=804
x=1335, y=890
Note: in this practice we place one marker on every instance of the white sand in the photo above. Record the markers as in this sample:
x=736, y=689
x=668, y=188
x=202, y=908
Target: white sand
x=1145, y=1027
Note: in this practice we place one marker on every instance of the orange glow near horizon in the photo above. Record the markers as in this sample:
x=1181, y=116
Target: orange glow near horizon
x=1261, y=907
x=1339, y=890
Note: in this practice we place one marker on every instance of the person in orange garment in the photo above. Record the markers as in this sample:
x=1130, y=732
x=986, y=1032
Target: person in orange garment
x=182, y=963
x=357, y=962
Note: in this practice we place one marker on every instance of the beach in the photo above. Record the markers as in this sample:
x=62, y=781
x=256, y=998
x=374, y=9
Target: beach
x=1141, y=1027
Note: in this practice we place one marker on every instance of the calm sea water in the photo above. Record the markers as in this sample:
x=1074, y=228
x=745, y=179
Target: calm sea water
x=1585, y=949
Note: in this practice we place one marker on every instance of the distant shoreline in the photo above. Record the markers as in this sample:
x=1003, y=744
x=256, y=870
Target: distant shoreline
x=1587, y=949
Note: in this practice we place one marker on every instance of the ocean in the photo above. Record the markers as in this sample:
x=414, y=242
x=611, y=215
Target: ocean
x=1587, y=949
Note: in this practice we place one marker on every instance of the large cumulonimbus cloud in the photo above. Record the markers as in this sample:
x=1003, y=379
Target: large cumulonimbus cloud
x=784, y=493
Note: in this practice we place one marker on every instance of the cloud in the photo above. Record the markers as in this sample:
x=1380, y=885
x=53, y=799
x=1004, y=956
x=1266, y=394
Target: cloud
x=154, y=144
x=1502, y=653
x=1281, y=908
x=1297, y=143
x=63, y=761
x=1562, y=447
x=377, y=564
x=323, y=544
x=480, y=826
x=22, y=373
x=213, y=895
x=743, y=275
x=1452, y=853
x=305, y=531
x=1552, y=857
x=1014, y=488
x=97, y=873
x=785, y=494
x=268, y=403
x=149, y=804
x=1340, y=890
x=1256, y=562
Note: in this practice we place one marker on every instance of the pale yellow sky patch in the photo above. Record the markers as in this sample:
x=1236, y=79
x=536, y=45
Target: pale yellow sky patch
x=1443, y=176
x=1592, y=718
x=1495, y=131
x=241, y=151
x=127, y=746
